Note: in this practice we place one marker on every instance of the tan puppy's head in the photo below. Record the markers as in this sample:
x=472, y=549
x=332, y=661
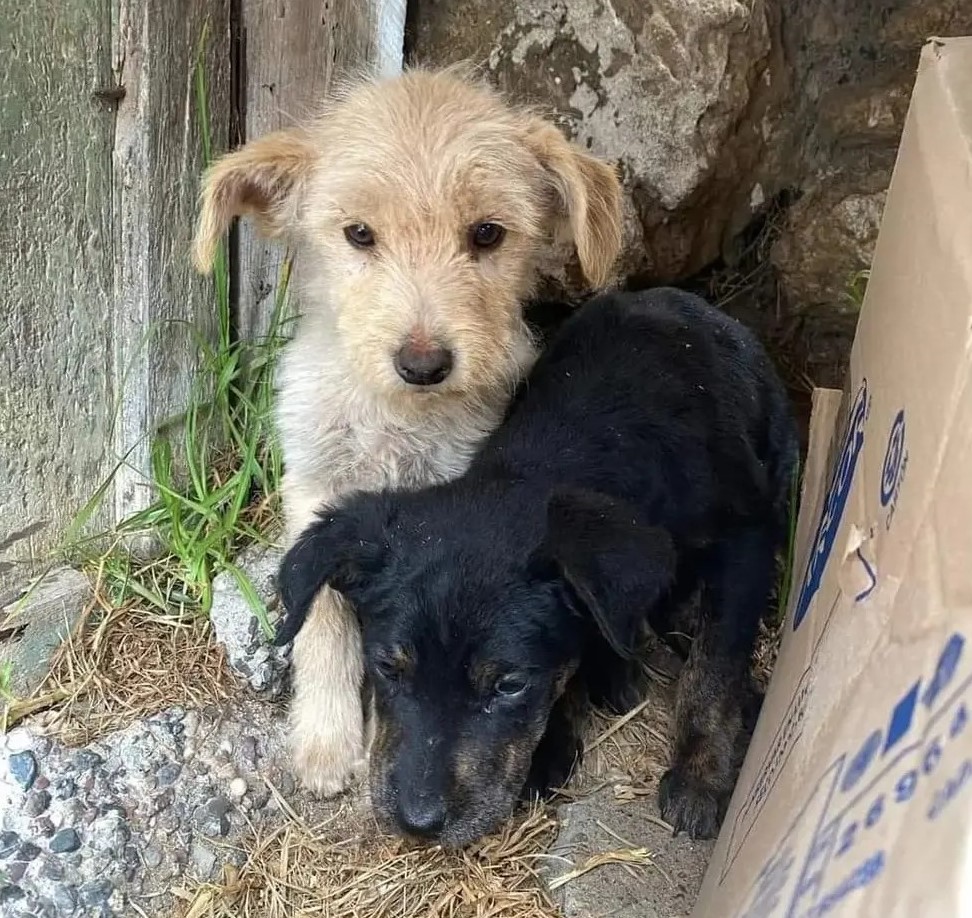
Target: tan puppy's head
x=419, y=207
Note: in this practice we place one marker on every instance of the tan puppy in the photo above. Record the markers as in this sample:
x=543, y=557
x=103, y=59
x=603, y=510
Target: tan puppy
x=419, y=208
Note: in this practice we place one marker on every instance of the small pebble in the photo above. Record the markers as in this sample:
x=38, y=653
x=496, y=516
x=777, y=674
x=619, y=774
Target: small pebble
x=259, y=796
x=167, y=774
x=212, y=818
x=163, y=800
x=65, y=841
x=152, y=856
x=203, y=858
x=27, y=852
x=247, y=749
x=42, y=783
x=226, y=772
x=37, y=802
x=9, y=842
x=64, y=788
x=52, y=869
x=237, y=788
x=168, y=822
x=97, y=893
x=15, y=871
x=262, y=677
x=23, y=769
x=42, y=746
x=65, y=899
x=261, y=655
x=288, y=786
x=11, y=893
x=86, y=759
x=44, y=827
x=226, y=746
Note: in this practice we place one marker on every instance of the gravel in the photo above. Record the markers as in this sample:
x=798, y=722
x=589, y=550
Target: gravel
x=91, y=831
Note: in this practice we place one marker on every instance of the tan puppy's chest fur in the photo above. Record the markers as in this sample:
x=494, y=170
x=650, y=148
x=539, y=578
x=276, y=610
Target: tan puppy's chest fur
x=418, y=208
x=337, y=436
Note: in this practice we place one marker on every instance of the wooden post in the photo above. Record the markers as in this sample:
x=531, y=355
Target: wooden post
x=56, y=257
x=291, y=52
x=159, y=301
x=99, y=170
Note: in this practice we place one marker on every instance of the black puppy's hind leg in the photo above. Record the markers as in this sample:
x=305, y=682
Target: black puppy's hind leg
x=714, y=691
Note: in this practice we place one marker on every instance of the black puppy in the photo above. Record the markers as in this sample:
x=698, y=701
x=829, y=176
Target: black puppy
x=648, y=455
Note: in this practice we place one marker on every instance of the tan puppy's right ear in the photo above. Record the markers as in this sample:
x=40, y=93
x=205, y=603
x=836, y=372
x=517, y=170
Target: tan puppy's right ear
x=262, y=179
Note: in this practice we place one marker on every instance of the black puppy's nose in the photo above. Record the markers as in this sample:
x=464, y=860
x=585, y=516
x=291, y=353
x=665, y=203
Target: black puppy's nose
x=422, y=815
x=423, y=365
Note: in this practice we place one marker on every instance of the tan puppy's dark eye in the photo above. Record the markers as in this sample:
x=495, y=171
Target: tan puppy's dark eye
x=359, y=235
x=485, y=236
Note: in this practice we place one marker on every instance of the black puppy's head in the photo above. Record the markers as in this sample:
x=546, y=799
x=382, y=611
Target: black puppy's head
x=475, y=614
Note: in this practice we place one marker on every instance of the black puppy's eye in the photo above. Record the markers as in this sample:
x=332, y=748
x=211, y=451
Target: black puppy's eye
x=388, y=669
x=485, y=236
x=391, y=664
x=511, y=685
x=359, y=235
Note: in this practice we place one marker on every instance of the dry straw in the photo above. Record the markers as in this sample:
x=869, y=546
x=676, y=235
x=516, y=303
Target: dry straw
x=297, y=870
x=123, y=663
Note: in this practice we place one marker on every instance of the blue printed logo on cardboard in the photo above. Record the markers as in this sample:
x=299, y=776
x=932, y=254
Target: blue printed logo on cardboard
x=833, y=510
x=895, y=465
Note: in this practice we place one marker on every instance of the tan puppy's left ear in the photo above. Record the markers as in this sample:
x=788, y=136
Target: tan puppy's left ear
x=590, y=194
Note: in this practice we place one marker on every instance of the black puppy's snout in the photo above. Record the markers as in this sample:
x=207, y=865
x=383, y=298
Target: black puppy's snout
x=423, y=365
x=421, y=814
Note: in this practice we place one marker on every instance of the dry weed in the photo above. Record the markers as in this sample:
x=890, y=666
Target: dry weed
x=121, y=664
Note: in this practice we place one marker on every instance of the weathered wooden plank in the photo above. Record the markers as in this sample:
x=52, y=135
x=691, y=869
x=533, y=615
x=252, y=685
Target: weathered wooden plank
x=158, y=160
x=55, y=271
x=291, y=51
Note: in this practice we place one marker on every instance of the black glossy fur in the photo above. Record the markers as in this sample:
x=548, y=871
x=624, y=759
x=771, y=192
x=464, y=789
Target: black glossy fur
x=649, y=453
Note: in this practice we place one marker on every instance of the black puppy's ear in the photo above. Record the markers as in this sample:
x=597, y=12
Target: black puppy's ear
x=617, y=567
x=331, y=551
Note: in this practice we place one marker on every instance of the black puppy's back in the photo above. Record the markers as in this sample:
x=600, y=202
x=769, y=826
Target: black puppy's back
x=660, y=399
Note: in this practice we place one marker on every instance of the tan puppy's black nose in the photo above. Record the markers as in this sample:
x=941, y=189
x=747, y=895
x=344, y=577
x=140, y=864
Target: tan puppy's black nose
x=423, y=365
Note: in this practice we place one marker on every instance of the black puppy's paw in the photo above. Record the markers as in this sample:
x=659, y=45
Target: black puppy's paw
x=551, y=769
x=690, y=805
x=618, y=687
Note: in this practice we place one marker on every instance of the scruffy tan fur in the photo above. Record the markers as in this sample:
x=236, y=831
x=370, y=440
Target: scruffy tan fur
x=419, y=159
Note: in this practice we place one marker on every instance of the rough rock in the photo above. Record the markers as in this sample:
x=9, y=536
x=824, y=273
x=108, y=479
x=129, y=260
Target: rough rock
x=673, y=91
x=666, y=888
x=827, y=242
x=853, y=66
x=39, y=619
x=249, y=651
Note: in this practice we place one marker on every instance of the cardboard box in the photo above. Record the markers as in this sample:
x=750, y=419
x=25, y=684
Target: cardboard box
x=856, y=795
